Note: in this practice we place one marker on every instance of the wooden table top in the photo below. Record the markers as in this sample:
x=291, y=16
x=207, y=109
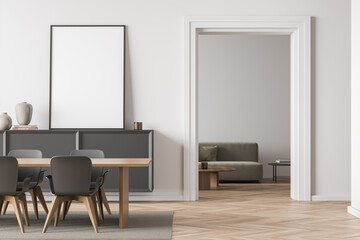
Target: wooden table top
x=217, y=169
x=96, y=162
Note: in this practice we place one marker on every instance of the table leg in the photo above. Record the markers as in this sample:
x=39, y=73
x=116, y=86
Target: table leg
x=208, y=181
x=275, y=172
x=214, y=181
x=123, y=196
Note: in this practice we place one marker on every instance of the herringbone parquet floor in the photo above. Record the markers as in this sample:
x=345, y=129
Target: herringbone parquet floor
x=257, y=211
x=254, y=211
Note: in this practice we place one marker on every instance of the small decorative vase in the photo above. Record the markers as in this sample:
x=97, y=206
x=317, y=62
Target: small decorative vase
x=137, y=125
x=23, y=113
x=5, y=121
x=204, y=165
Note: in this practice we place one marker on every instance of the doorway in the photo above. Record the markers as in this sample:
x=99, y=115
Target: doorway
x=244, y=103
x=298, y=28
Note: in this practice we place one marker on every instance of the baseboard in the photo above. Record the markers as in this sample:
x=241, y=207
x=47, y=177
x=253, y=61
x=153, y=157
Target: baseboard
x=353, y=211
x=114, y=197
x=335, y=198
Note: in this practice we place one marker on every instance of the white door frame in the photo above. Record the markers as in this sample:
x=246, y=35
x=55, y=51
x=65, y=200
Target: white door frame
x=299, y=28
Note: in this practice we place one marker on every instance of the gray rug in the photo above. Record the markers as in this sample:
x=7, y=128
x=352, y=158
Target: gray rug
x=140, y=226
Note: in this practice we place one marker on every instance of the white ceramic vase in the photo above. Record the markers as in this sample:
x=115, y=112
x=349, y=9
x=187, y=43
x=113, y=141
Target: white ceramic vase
x=23, y=113
x=5, y=121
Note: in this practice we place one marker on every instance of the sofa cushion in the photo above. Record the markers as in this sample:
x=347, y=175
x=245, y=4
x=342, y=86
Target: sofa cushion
x=235, y=151
x=208, y=153
x=245, y=171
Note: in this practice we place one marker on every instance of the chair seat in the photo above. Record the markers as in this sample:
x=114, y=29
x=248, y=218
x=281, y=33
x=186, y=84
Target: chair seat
x=92, y=185
x=75, y=194
x=19, y=185
x=12, y=193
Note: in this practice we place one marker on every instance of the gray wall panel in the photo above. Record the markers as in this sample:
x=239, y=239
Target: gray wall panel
x=51, y=143
x=114, y=143
x=2, y=143
x=123, y=144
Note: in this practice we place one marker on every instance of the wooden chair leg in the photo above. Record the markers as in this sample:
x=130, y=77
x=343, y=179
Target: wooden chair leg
x=15, y=203
x=41, y=198
x=1, y=205
x=93, y=199
x=5, y=207
x=68, y=206
x=65, y=205
x=100, y=205
x=54, y=206
x=23, y=202
x=57, y=213
x=66, y=210
x=104, y=200
x=91, y=210
x=34, y=201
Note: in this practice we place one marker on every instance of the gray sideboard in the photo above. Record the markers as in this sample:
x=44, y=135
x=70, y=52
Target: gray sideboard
x=115, y=143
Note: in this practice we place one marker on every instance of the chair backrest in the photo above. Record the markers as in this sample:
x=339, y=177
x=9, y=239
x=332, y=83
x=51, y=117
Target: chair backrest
x=71, y=175
x=91, y=153
x=8, y=175
x=27, y=171
x=25, y=153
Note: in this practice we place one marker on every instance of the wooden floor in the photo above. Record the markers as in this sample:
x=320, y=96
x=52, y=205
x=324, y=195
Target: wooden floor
x=254, y=211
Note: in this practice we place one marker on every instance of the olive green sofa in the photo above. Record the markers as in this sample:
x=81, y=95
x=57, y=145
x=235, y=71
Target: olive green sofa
x=239, y=155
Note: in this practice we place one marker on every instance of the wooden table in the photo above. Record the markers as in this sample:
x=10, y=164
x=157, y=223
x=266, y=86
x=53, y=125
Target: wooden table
x=122, y=163
x=209, y=178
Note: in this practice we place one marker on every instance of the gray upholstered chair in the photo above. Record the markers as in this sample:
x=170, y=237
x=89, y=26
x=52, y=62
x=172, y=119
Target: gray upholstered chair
x=95, y=174
x=8, y=193
x=37, y=178
x=70, y=180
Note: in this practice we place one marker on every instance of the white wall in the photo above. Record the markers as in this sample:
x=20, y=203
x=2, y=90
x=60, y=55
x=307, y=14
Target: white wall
x=355, y=109
x=244, y=93
x=154, y=71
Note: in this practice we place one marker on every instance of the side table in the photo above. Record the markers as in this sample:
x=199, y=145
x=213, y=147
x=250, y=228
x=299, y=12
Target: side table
x=275, y=165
